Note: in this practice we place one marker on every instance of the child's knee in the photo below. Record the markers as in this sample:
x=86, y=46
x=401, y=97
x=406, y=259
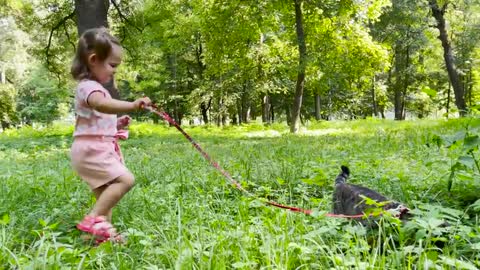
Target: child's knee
x=128, y=180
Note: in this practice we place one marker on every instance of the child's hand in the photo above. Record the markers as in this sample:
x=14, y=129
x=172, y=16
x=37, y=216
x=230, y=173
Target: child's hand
x=123, y=121
x=142, y=102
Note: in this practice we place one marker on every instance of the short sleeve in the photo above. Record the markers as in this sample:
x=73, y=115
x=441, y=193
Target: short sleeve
x=86, y=88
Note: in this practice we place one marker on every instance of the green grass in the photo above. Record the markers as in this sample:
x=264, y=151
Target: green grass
x=182, y=214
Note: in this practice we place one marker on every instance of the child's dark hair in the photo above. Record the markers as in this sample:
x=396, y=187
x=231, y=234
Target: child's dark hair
x=93, y=41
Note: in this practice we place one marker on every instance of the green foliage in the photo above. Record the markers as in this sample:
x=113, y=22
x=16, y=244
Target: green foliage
x=53, y=40
x=41, y=98
x=465, y=155
x=14, y=59
x=186, y=53
x=223, y=60
x=8, y=115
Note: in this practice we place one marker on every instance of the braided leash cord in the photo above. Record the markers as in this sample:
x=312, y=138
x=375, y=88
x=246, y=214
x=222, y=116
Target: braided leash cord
x=237, y=185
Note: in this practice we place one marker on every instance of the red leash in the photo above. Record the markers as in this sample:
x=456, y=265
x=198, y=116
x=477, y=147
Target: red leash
x=212, y=162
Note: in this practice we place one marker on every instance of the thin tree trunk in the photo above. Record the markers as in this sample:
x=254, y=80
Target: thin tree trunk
x=302, y=48
x=4, y=124
x=406, y=82
x=2, y=76
x=374, y=100
x=173, y=66
x=272, y=114
x=245, y=105
x=201, y=68
x=469, y=87
x=448, y=98
x=224, y=119
x=330, y=100
x=204, y=109
x=397, y=87
x=288, y=114
x=318, y=115
x=389, y=84
x=239, y=111
x=260, y=76
x=266, y=109
x=438, y=13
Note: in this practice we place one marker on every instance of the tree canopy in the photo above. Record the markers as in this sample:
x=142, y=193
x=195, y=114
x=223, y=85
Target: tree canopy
x=236, y=61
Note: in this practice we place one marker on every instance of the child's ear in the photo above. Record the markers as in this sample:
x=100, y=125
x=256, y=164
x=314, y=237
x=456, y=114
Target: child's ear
x=92, y=59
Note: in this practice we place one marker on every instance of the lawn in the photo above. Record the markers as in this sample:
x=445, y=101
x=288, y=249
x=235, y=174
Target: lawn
x=183, y=214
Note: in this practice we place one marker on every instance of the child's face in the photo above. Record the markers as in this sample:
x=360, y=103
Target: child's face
x=103, y=71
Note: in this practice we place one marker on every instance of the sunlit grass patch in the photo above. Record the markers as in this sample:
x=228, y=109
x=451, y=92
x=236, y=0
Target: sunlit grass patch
x=263, y=134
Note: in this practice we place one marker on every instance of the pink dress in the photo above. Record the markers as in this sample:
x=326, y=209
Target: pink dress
x=95, y=154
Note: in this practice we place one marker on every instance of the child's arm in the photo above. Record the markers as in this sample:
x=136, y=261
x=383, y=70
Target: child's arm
x=109, y=105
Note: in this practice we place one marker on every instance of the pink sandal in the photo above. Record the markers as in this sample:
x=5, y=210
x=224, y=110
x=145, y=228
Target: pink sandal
x=99, y=227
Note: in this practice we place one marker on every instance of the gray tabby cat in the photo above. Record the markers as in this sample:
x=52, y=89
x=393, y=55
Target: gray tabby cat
x=347, y=199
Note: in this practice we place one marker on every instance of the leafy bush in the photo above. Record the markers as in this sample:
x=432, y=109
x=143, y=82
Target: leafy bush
x=8, y=114
x=42, y=99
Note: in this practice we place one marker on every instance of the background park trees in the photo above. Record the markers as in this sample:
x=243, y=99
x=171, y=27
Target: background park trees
x=234, y=61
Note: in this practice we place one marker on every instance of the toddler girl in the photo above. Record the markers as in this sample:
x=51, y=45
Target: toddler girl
x=95, y=153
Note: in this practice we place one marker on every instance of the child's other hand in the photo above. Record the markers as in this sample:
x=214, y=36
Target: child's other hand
x=123, y=121
x=142, y=102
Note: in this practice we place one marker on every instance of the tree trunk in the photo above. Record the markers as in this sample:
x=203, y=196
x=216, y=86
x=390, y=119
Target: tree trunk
x=448, y=98
x=93, y=14
x=398, y=104
x=245, y=107
x=266, y=109
x=5, y=125
x=288, y=114
x=220, y=116
x=204, y=108
x=224, y=119
x=234, y=119
x=469, y=87
x=318, y=108
x=302, y=49
x=176, y=113
x=2, y=77
x=239, y=111
x=406, y=82
x=260, y=77
x=330, y=102
x=201, y=68
x=438, y=13
x=204, y=111
x=272, y=113
x=374, y=100
x=397, y=85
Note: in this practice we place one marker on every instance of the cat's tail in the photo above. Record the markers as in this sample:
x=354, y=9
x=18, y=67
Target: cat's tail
x=342, y=177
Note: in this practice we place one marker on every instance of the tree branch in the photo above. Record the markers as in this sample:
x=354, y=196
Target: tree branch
x=68, y=37
x=123, y=17
x=444, y=8
x=60, y=23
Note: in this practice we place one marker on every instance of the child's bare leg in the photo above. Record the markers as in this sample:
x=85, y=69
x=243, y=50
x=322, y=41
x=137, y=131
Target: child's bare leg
x=112, y=193
x=98, y=191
